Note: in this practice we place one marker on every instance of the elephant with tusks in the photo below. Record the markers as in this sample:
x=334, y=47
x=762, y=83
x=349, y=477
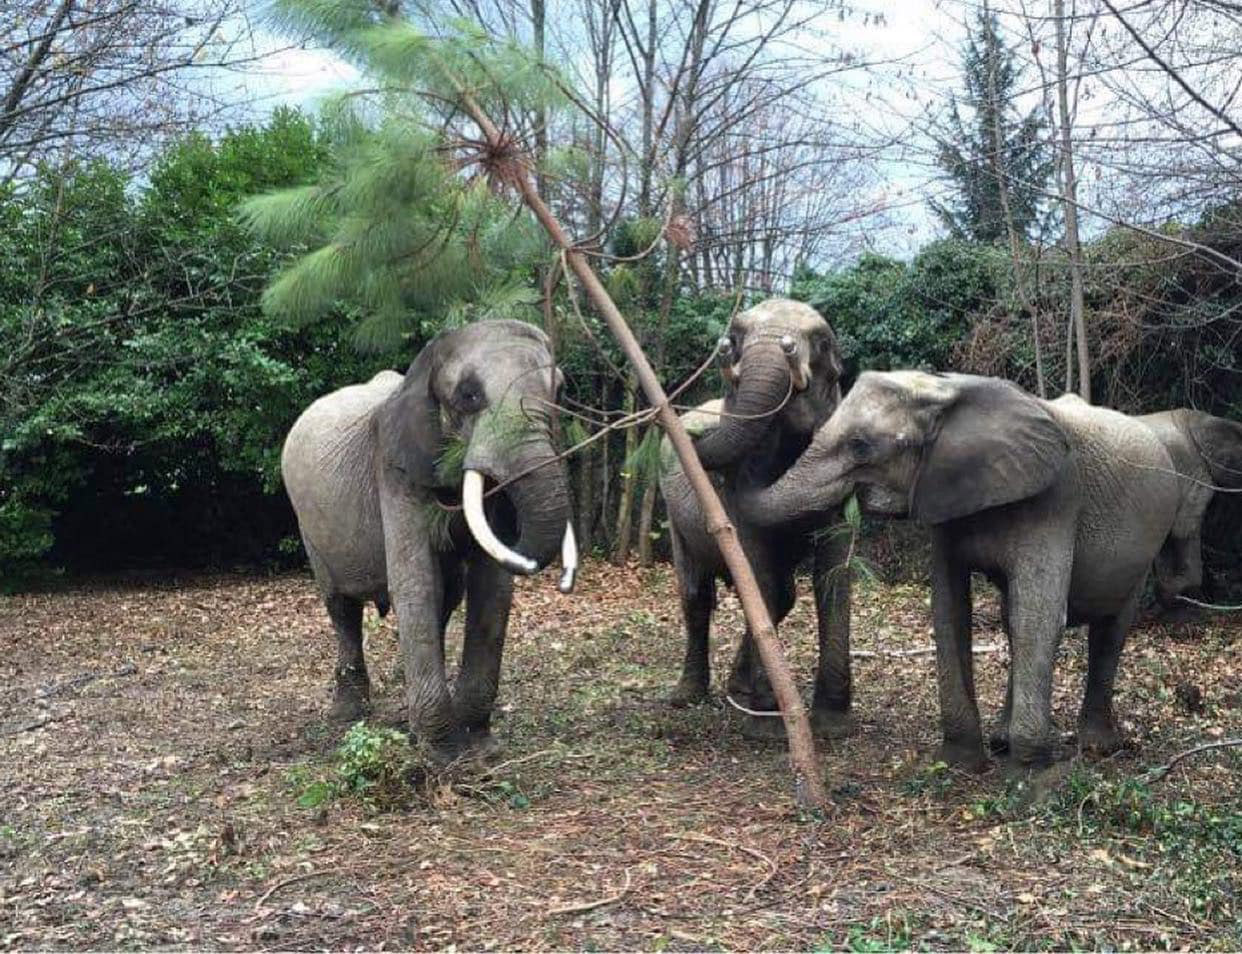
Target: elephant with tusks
x=416, y=491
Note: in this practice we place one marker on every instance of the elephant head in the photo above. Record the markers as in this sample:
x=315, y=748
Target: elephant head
x=781, y=365
x=930, y=446
x=1219, y=443
x=474, y=414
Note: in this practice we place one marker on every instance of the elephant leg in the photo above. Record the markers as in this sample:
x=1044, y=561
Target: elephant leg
x=489, y=595
x=453, y=586
x=998, y=741
x=417, y=592
x=1178, y=570
x=353, y=686
x=778, y=595
x=962, y=744
x=830, y=707
x=1037, y=599
x=1098, y=733
x=698, y=599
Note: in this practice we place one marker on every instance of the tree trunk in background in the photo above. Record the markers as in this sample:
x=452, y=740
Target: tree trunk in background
x=538, y=18
x=586, y=498
x=1015, y=246
x=625, y=504
x=1069, y=201
x=646, y=518
x=605, y=491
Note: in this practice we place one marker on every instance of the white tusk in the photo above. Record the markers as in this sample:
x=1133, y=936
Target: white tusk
x=476, y=520
x=569, y=559
x=796, y=373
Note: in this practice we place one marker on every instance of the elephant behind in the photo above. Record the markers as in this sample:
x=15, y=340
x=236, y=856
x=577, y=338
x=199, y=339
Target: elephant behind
x=781, y=366
x=1061, y=504
x=1208, y=451
x=387, y=479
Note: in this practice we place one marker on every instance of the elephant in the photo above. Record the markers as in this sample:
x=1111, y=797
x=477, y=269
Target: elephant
x=781, y=367
x=388, y=483
x=1208, y=451
x=1061, y=504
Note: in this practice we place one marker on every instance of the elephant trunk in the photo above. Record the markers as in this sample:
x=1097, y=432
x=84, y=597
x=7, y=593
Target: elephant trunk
x=539, y=495
x=819, y=481
x=541, y=501
x=764, y=382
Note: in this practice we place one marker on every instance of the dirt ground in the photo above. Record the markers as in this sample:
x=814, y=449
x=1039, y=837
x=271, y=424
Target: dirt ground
x=158, y=741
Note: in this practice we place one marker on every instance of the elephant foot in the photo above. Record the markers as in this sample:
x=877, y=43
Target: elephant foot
x=1179, y=614
x=1030, y=755
x=998, y=741
x=966, y=756
x=831, y=723
x=466, y=747
x=764, y=728
x=688, y=692
x=1099, y=737
x=350, y=705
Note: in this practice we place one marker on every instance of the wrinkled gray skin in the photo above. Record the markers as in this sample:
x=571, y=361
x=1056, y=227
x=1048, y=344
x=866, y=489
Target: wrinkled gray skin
x=360, y=466
x=749, y=450
x=1209, y=450
x=1062, y=505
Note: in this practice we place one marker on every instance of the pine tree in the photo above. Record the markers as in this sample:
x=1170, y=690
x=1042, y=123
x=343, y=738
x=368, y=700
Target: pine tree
x=967, y=152
x=407, y=228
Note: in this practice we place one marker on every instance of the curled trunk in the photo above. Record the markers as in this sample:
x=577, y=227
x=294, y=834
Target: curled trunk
x=541, y=501
x=763, y=385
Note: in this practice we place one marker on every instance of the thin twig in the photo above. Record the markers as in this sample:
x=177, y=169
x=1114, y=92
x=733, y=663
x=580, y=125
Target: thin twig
x=753, y=852
x=924, y=651
x=592, y=905
x=1162, y=770
x=1216, y=607
x=1194, y=480
x=258, y=905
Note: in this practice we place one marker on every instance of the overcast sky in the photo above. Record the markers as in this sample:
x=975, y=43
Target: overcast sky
x=917, y=42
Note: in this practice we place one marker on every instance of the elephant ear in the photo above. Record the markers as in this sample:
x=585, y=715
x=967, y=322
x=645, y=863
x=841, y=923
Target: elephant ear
x=408, y=423
x=994, y=444
x=1219, y=442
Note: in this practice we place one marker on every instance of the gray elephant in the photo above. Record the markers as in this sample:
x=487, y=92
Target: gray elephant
x=1208, y=451
x=781, y=366
x=1061, y=504
x=388, y=481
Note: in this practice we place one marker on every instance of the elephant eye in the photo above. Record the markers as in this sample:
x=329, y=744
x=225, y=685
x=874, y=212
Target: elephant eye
x=859, y=446
x=468, y=397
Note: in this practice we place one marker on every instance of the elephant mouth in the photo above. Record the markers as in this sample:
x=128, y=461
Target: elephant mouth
x=496, y=527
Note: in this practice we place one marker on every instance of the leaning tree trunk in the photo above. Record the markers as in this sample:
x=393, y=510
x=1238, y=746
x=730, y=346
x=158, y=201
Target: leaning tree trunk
x=808, y=782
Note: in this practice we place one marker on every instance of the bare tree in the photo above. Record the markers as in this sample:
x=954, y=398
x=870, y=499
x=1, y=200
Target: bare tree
x=110, y=77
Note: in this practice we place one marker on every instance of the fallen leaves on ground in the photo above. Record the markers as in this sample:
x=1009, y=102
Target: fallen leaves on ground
x=156, y=738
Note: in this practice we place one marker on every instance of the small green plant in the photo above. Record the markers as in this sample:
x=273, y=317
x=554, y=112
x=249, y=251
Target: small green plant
x=849, y=528
x=372, y=765
x=934, y=779
x=890, y=933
